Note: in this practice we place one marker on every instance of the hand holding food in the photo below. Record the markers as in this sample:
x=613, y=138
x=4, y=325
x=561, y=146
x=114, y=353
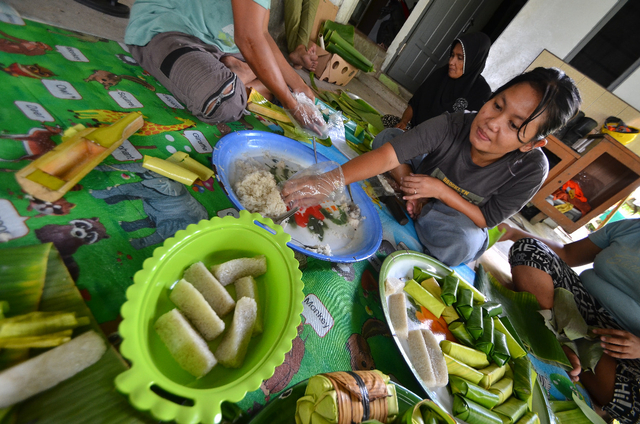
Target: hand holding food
x=314, y=185
x=306, y=115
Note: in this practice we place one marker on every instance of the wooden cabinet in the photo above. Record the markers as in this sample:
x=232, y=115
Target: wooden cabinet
x=607, y=173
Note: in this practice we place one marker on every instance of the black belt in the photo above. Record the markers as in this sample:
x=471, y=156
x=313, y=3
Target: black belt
x=171, y=58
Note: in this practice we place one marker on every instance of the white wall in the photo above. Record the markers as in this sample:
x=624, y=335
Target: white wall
x=557, y=26
x=629, y=90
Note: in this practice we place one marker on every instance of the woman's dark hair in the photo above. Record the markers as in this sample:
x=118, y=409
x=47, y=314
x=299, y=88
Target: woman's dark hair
x=560, y=99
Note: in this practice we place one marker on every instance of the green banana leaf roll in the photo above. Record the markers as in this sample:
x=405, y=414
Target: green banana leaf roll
x=492, y=309
x=529, y=418
x=503, y=388
x=457, y=368
x=464, y=303
x=474, y=323
x=473, y=392
x=572, y=416
x=500, y=354
x=562, y=405
x=523, y=378
x=513, y=409
x=485, y=342
x=459, y=330
x=469, y=411
x=449, y=289
x=426, y=412
x=472, y=357
x=491, y=375
x=420, y=274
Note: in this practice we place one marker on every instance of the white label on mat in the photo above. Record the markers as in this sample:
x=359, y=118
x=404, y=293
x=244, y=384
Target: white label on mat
x=12, y=225
x=317, y=315
x=126, y=152
x=34, y=111
x=72, y=54
x=198, y=141
x=170, y=101
x=125, y=99
x=61, y=89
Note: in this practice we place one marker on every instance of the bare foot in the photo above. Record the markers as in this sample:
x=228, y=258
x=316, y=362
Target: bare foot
x=302, y=57
x=240, y=68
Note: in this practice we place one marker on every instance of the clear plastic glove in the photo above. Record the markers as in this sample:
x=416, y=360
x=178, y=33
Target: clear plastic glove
x=306, y=117
x=318, y=183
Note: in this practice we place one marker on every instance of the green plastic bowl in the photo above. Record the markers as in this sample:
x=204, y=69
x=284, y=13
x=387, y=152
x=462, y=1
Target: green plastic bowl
x=155, y=382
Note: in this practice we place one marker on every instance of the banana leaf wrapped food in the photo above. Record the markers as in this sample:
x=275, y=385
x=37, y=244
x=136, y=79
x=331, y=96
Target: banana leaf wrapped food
x=449, y=289
x=423, y=297
x=523, y=378
x=492, y=309
x=503, y=388
x=474, y=324
x=464, y=303
x=473, y=413
x=513, y=409
x=500, y=355
x=420, y=274
x=346, y=397
x=529, y=418
x=426, y=412
x=459, y=330
x=485, y=342
x=472, y=357
x=473, y=392
x=432, y=286
x=515, y=349
x=460, y=369
x=492, y=374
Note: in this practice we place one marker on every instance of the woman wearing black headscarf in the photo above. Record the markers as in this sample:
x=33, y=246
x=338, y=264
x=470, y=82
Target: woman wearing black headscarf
x=452, y=88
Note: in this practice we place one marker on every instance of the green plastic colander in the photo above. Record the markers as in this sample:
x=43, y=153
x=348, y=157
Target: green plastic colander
x=155, y=382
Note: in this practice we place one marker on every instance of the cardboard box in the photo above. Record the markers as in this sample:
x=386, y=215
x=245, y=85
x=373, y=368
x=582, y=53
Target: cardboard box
x=337, y=71
x=326, y=11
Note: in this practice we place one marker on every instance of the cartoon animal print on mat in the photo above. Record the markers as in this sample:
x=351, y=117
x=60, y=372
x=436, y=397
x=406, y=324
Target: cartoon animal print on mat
x=58, y=208
x=11, y=44
x=69, y=238
x=80, y=36
x=358, y=347
x=284, y=373
x=168, y=204
x=30, y=71
x=109, y=79
x=29, y=146
x=149, y=128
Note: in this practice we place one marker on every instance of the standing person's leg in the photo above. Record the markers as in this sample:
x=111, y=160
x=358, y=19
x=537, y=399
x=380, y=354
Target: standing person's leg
x=299, y=16
x=194, y=73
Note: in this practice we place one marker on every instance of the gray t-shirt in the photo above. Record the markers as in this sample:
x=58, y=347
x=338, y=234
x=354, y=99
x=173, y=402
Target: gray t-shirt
x=499, y=189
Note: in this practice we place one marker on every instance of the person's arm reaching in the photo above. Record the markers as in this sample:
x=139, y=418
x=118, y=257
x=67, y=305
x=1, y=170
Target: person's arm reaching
x=406, y=118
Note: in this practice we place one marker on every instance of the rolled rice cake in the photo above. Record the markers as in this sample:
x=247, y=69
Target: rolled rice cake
x=194, y=306
x=233, y=347
x=247, y=287
x=427, y=358
x=217, y=296
x=398, y=315
x=230, y=271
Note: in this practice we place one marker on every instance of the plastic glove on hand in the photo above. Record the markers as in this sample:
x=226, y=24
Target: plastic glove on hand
x=306, y=116
x=319, y=183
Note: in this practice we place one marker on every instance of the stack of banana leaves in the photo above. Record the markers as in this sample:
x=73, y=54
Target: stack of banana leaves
x=574, y=411
x=339, y=39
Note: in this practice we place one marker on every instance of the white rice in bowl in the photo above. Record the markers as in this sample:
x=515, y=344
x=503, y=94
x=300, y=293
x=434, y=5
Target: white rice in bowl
x=258, y=192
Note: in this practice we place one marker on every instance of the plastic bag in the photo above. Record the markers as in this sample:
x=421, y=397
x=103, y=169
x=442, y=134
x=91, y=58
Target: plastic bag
x=318, y=183
x=306, y=117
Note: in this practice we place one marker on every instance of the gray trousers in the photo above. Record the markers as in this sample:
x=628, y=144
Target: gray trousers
x=445, y=233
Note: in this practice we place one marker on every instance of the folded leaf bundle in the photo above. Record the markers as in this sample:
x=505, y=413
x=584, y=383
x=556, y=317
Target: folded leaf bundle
x=449, y=289
x=426, y=412
x=420, y=274
x=474, y=324
x=464, y=303
x=473, y=413
x=432, y=286
x=467, y=355
x=478, y=296
x=523, y=379
x=572, y=416
x=492, y=309
x=346, y=397
x=347, y=32
x=485, y=342
x=529, y=418
x=500, y=354
x=459, y=330
x=503, y=388
x=515, y=349
x=450, y=315
x=423, y=297
x=460, y=369
x=513, y=409
x=491, y=375
x=473, y=392
x=562, y=405
x=336, y=44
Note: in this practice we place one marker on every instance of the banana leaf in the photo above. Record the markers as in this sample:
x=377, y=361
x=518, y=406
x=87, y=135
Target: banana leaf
x=426, y=412
x=586, y=410
x=432, y=286
x=513, y=409
x=450, y=315
x=491, y=375
x=503, y=325
x=469, y=356
x=473, y=413
x=347, y=32
x=455, y=367
x=334, y=38
x=529, y=418
x=503, y=388
x=459, y=331
x=522, y=310
x=475, y=325
x=449, y=289
x=485, y=342
x=423, y=297
x=420, y=274
x=523, y=378
x=572, y=416
x=473, y=392
x=562, y=405
x=492, y=309
x=464, y=303
x=500, y=354
x=478, y=295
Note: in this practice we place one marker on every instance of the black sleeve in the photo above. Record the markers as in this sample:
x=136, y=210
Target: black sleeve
x=425, y=138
